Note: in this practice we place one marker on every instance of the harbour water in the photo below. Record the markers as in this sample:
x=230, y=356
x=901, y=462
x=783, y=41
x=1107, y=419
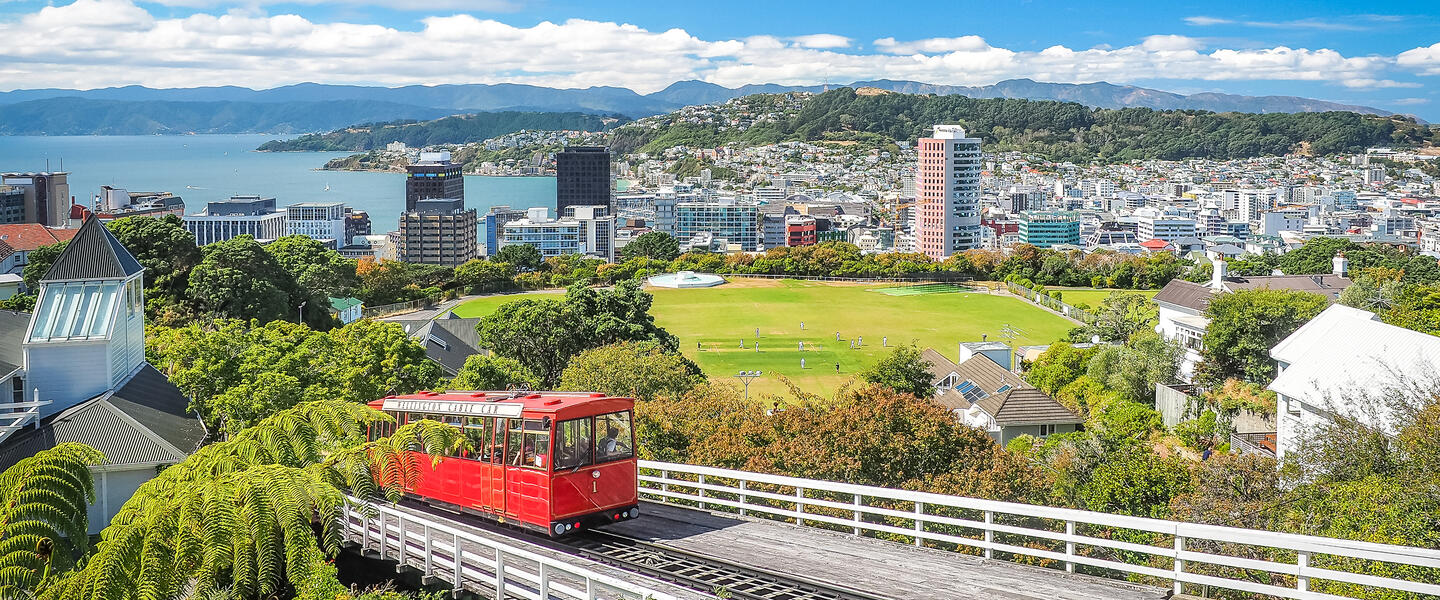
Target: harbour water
x=201, y=168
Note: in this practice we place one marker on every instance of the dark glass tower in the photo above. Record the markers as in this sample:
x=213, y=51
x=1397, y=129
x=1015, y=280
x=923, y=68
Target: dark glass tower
x=582, y=178
x=433, y=179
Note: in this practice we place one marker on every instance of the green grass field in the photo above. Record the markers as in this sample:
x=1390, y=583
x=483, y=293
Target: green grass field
x=1093, y=296
x=713, y=322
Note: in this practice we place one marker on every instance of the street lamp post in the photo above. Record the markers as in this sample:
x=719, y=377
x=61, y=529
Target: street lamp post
x=747, y=377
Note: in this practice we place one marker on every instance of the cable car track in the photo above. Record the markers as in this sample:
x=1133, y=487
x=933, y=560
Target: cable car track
x=699, y=572
x=703, y=573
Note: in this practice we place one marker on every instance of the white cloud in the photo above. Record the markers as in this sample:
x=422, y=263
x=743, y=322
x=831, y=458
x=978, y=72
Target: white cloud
x=488, y=6
x=1424, y=60
x=96, y=43
x=1203, y=21
x=822, y=40
x=969, y=43
x=1410, y=101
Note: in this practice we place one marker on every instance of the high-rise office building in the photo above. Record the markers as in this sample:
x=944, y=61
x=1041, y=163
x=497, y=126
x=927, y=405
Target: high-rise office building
x=47, y=196
x=947, y=192
x=495, y=221
x=735, y=221
x=437, y=232
x=433, y=176
x=582, y=178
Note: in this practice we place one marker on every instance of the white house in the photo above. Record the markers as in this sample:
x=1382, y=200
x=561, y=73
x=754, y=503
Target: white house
x=75, y=371
x=1182, y=304
x=1338, y=363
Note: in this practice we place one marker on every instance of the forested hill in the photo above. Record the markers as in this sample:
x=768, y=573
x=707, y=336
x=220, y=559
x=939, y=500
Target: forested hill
x=457, y=129
x=1062, y=131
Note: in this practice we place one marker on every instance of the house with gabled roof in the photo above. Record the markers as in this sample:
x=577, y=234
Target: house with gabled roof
x=983, y=394
x=75, y=371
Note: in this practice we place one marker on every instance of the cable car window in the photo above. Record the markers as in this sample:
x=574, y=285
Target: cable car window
x=534, y=451
x=572, y=444
x=455, y=420
x=616, y=440
x=497, y=454
x=477, y=439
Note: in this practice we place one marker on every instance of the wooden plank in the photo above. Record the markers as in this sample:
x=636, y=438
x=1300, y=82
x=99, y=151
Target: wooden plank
x=879, y=567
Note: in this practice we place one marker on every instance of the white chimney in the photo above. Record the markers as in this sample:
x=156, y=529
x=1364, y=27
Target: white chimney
x=1341, y=264
x=1220, y=271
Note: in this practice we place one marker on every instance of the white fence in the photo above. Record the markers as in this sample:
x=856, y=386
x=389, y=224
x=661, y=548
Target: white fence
x=1182, y=553
x=469, y=562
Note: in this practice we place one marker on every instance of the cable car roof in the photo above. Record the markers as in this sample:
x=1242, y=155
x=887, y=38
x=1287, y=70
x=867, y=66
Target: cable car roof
x=505, y=403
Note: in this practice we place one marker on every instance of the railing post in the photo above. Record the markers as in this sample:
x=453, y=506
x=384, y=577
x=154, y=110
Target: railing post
x=743, y=498
x=799, y=505
x=459, y=565
x=591, y=593
x=701, y=492
x=499, y=573
x=919, y=524
x=1179, y=564
x=857, y=515
x=989, y=534
x=1302, y=561
x=384, y=535
x=664, y=484
x=402, y=546
x=429, y=552
x=364, y=532
x=1069, y=546
x=544, y=582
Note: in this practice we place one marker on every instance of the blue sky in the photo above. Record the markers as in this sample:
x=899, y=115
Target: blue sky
x=1385, y=55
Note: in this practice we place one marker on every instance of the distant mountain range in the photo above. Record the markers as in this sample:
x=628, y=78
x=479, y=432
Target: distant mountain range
x=309, y=107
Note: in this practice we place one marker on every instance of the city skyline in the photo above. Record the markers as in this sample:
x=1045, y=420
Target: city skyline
x=1386, y=56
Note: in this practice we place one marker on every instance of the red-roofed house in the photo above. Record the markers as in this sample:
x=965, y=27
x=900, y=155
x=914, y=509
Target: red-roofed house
x=1155, y=245
x=25, y=237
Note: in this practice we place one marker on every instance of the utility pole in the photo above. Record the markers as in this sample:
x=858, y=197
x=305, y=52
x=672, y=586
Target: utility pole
x=747, y=377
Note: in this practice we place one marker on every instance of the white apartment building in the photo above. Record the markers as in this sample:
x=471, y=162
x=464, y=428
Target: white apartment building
x=590, y=232
x=1165, y=227
x=1275, y=221
x=240, y=215
x=1250, y=203
x=317, y=220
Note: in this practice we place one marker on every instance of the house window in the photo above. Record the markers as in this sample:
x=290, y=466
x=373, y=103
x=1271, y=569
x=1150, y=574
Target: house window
x=1047, y=429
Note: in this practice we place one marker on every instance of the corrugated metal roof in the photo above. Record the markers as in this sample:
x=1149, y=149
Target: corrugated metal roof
x=93, y=254
x=144, y=422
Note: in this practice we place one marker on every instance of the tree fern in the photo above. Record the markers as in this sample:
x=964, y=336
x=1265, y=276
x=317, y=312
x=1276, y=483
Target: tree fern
x=240, y=518
x=43, y=515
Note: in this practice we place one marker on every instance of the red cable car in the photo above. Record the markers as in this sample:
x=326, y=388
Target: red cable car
x=552, y=461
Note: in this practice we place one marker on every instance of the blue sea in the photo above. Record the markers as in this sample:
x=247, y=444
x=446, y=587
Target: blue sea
x=201, y=168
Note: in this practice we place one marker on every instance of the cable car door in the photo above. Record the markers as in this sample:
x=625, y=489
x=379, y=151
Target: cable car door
x=497, y=468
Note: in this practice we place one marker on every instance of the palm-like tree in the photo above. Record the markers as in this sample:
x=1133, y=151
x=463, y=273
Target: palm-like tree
x=247, y=517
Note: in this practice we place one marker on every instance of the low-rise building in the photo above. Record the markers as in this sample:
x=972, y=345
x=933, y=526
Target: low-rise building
x=1044, y=229
x=221, y=220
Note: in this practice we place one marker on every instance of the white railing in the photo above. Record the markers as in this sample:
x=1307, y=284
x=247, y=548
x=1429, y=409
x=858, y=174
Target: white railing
x=15, y=416
x=470, y=561
x=1014, y=529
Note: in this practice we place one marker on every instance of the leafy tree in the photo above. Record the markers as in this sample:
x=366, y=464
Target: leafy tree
x=1058, y=366
x=640, y=370
x=521, y=256
x=480, y=275
x=1119, y=317
x=238, y=279
x=485, y=372
x=903, y=370
x=19, y=303
x=165, y=248
x=1133, y=370
x=318, y=270
x=656, y=245
x=40, y=261
x=244, y=371
x=1137, y=484
x=1245, y=325
x=544, y=334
